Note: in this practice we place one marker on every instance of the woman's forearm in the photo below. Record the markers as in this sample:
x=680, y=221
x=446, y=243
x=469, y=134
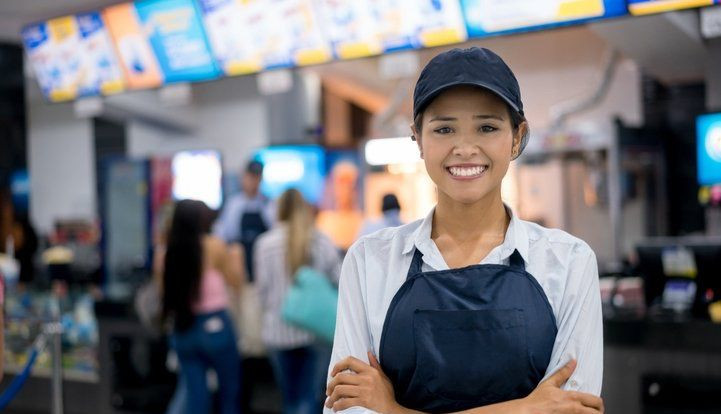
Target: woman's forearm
x=506, y=407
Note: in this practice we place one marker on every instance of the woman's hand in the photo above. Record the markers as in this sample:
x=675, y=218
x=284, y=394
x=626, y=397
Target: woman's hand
x=363, y=386
x=549, y=398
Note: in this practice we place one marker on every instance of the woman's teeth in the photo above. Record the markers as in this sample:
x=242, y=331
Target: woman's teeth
x=467, y=171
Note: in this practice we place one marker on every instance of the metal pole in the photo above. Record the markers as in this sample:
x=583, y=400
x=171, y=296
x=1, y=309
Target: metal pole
x=57, y=355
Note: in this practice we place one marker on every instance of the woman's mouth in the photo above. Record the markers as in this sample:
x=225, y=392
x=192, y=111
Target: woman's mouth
x=466, y=172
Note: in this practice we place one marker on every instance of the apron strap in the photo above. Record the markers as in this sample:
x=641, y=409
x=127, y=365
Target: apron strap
x=516, y=261
x=416, y=264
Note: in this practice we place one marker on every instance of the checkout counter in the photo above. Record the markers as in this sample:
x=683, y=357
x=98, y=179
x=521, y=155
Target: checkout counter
x=665, y=355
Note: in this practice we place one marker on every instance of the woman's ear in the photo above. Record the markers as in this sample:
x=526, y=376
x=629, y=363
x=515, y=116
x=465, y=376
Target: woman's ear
x=416, y=136
x=518, y=135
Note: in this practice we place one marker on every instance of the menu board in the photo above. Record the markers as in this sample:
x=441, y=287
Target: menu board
x=486, y=17
x=308, y=43
x=405, y=24
x=351, y=27
x=102, y=73
x=641, y=7
x=226, y=29
x=175, y=32
x=137, y=60
x=266, y=32
x=52, y=49
x=440, y=22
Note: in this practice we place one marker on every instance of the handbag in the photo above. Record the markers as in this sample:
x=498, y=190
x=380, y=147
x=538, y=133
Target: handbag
x=312, y=303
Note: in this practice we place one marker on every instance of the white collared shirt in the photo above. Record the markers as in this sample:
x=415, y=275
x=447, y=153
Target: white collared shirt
x=376, y=266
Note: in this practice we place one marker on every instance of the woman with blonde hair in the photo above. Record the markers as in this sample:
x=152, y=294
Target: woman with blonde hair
x=294, y=353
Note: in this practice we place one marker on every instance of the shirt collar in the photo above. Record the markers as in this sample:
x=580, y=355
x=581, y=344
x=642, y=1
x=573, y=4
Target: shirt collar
x=516, y=237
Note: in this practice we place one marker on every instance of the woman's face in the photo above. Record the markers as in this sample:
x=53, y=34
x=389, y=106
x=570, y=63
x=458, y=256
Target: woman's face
x=467, y=141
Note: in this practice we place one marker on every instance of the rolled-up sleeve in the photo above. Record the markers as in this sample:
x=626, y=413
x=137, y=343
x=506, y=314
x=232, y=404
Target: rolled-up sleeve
x=352, y=334
x=580, y=325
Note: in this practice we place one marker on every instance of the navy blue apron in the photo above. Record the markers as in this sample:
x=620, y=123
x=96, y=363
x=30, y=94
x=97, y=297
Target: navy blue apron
x=463, y=338
x=252, y=225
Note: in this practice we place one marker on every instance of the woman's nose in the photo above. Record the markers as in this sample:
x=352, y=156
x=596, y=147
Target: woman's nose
x=466, y=147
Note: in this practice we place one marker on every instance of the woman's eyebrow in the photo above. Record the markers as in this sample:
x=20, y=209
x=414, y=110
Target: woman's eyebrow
x=442, y=118
x=497, y=117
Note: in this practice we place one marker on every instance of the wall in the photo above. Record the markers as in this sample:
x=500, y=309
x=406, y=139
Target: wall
x=228, y=115
x=61, y=162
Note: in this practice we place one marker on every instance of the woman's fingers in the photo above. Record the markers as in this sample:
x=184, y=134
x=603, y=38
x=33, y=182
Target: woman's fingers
x=562, y=375
x=342, y=392
x=588, y=400
x=346, y=403
x=351, y=363
x=344, y=378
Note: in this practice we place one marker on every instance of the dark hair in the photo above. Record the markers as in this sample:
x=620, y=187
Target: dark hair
x=517, y=119
x=390, y=202
x=184, y=261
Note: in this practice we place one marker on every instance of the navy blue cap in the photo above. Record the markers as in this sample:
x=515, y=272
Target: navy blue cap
x=254, y=167
x=475, y=67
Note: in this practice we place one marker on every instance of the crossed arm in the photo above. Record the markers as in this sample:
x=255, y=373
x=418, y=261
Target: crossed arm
x=572, y=388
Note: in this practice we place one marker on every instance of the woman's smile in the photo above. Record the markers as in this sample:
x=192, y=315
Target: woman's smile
x=466, y=172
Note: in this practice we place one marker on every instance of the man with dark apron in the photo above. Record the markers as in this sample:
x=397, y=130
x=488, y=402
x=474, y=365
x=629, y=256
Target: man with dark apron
x=244, y=218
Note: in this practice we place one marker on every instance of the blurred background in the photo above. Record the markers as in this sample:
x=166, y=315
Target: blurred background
x=111, y=111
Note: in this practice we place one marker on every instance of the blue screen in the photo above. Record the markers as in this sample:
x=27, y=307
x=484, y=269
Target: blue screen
x=708, y=143
x=299, y=167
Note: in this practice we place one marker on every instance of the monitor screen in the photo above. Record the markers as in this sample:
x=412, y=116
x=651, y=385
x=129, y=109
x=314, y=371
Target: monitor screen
x=300, y=167
x=708, y=144
x=197, y=175
x=484, y=18
x=641, y=7
x=102, y=74
x=139, y=64
x=175, y=31
x=52, y=49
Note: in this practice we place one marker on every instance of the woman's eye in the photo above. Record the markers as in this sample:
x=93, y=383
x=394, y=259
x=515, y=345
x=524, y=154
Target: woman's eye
x=443, y=130
x=488, y=128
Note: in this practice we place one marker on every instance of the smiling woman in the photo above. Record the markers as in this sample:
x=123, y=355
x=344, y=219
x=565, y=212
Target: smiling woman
x=470, y=309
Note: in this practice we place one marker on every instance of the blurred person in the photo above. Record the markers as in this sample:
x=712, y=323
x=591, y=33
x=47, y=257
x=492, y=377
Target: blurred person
x=298, y=359
x=246, y=215
x=391, y=209
x=342, y=222
x=196, y=272
x=471, y=309
x=26, y=245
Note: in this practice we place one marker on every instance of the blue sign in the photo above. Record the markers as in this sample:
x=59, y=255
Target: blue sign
x=176, y=34
x=522, y=15
x=708, y=139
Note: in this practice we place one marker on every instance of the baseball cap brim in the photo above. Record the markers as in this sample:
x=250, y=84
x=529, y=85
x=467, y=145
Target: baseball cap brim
x=429, y=97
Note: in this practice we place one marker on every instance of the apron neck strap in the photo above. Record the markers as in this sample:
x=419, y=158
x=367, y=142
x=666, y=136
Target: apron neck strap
x=516, y=261
x=416, y=264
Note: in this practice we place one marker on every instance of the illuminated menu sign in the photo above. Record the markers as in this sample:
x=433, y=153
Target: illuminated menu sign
x=308, y=44
x=641, y=7
x=52, y=49
x=404, y=24
x=102, y=74
x=351, y=28
x=175, y=31
x=228, y=32
x=487, y=17
x=137, y=59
